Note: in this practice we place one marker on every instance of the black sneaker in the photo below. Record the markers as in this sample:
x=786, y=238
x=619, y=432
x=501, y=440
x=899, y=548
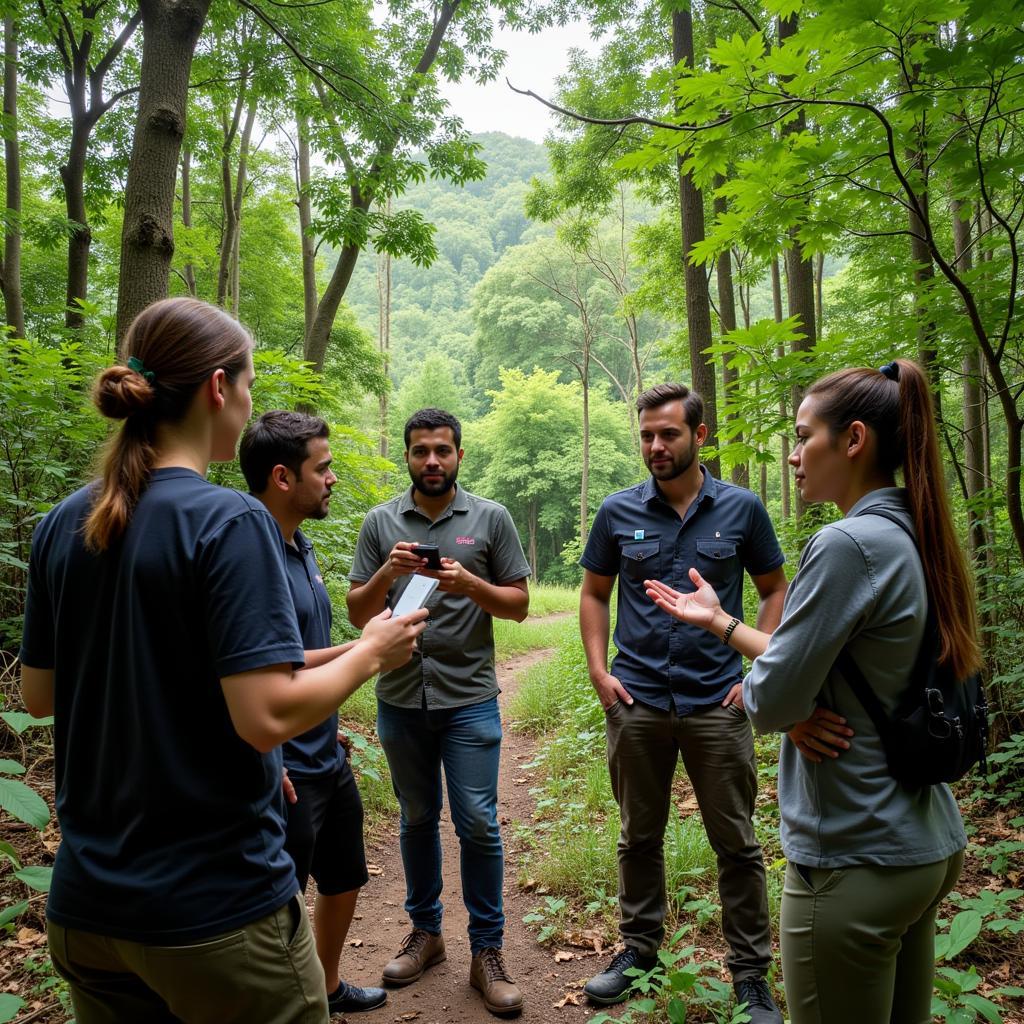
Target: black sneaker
x=611, y=985
x=350, y=999
x=760, y=1006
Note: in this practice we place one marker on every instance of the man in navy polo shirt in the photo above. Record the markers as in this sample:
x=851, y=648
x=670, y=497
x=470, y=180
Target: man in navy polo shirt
x=674, y=689
x=286, y=460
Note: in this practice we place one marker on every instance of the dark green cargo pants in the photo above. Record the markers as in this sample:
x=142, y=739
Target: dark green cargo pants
x=264, y=973
x=717, y=747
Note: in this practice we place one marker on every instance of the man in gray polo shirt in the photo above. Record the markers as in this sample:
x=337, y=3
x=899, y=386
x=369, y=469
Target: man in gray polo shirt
x=442, y=707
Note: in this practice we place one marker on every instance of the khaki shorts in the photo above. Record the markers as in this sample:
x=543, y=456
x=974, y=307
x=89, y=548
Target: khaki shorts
x=264, y=973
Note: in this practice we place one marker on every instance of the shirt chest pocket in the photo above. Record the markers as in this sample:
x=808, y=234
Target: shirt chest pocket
x=717, y=560
x=640, y=560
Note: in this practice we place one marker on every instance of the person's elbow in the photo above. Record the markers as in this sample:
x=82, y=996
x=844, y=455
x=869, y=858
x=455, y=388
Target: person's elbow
x=37, y=692
x=358, y=614
x=256, y=705
x=260, y=729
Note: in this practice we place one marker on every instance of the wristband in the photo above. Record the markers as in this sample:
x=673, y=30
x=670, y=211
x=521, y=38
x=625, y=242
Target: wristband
x=728, y=630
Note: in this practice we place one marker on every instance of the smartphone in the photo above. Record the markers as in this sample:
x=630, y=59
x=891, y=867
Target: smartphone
x=431, y=553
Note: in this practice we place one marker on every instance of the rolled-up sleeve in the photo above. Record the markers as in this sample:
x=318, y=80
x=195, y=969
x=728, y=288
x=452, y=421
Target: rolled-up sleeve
x=828, y=601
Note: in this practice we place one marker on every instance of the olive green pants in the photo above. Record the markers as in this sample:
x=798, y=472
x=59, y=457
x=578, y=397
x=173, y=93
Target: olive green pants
x=264, y=973
x=717, y=748
x=858, y=943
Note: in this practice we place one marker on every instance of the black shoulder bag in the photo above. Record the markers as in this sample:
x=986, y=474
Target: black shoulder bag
x=939, y=729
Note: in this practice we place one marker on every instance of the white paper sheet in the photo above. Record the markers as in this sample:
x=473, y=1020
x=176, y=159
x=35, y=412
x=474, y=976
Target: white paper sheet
x=416, y=592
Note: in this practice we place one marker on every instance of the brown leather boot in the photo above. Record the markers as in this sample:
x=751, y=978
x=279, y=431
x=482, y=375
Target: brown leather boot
x=419, y=951
x=488, y=974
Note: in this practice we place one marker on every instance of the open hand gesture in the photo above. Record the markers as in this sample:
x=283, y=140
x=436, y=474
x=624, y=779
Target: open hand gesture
x=698, y=608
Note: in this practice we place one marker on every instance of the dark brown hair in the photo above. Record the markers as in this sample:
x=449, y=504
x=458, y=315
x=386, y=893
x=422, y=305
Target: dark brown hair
x=179, y=343
x=903, y=418
x=662, y=394
x=277, y=438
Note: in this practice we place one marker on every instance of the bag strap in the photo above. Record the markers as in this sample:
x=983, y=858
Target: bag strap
x=863, y=691
x=851, y=671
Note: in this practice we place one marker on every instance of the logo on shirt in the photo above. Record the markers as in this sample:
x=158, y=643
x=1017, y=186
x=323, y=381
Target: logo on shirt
x=638, y=535
x=465, y=540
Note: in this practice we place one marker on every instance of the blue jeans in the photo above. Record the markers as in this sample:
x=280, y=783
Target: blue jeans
x=467, y=741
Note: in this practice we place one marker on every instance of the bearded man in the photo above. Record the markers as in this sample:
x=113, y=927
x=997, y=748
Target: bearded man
x=442, y=708
x=676, y=690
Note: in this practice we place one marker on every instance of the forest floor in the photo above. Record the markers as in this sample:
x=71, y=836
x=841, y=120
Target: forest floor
x=550, y=975
x=551, y=979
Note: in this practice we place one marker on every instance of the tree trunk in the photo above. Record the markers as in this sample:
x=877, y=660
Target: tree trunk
x=187, y=271
x=241, y=183
x=72, y=174
x=727, y=321
x=319, y=335
x=531, y=554
x=784, y=478
x=819, y=302
x=698, y=301
x=799, y=269
x=170, y=29
x=585, y=475
x=10, y=271
x=305, y=215
x=384, y=335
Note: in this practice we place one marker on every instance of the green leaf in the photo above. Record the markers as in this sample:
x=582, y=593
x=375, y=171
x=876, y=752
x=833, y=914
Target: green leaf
x=8, y=914
x=676, y=1010
x=24, y=803
x=9, y=767
x=19, y=721
x=987, y=1009
x=9, y=1006
x=36, y=877
x=964, y=929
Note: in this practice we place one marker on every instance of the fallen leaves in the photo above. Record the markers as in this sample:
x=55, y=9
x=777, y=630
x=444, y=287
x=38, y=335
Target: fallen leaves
x=562, y=955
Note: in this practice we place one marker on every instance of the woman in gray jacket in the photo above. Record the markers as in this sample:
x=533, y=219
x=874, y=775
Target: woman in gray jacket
x=869, y=860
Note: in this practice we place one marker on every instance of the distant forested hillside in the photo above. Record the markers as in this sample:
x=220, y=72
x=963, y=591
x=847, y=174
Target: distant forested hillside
x=475, y=224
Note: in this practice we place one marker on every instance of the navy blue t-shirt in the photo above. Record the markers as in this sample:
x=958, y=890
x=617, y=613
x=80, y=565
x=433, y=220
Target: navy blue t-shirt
x=172, y=824
x=638, y=536
x=317, y=751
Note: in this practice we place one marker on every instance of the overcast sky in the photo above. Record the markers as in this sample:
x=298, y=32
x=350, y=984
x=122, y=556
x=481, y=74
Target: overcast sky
x=534, y=61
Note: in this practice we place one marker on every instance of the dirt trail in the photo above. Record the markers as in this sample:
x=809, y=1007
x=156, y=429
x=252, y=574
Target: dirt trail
x=443, y=995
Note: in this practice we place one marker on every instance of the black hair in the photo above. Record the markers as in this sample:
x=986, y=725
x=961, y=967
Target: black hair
x=662, y=394
x=433, y=419
x=277, y=438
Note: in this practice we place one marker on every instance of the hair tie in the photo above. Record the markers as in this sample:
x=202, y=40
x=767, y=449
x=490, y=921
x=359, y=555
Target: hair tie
x=890, y=370
x=136, y=364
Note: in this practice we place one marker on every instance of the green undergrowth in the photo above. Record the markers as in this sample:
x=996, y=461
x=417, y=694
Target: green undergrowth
x=568, y=862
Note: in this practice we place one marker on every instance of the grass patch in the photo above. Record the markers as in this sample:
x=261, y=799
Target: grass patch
x=573, y=846
x=512, y=638
x=549, y=600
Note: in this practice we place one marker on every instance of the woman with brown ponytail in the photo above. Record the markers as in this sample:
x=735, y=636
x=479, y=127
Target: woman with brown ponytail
x=160, y=633
x=869, y=860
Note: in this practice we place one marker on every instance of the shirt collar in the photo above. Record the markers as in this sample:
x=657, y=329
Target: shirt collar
x=302, y=544
x=708, y=488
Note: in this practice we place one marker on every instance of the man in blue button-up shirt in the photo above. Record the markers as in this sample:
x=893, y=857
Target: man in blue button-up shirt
x=674, y=689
